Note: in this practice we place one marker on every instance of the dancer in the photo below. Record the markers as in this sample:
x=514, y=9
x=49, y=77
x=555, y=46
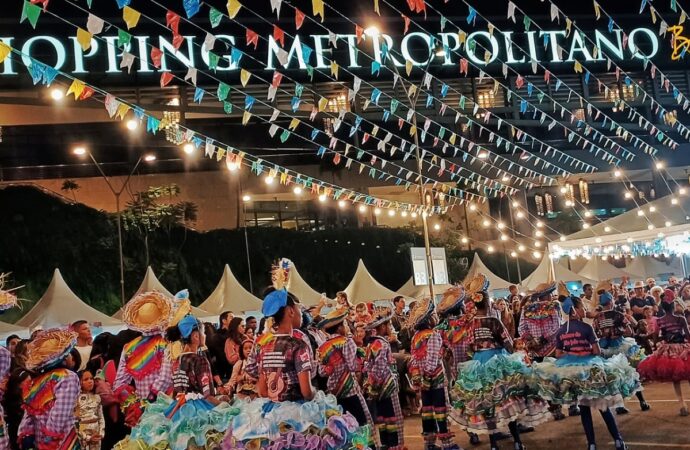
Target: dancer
x=381, y=383
x=579, y=376
x=428, y=376
x=613, y=330
x=193, y=417
x=143, y=360
x=671, y=360
x=491, y=392
x=49, y=401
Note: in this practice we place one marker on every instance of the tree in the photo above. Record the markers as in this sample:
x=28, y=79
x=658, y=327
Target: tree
x=155, y=209
x=70, y=186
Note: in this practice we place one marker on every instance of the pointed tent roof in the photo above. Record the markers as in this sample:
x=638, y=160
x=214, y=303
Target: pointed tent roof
x=364, y=288
x=152, y=283
x=305, y=293
x=230, y=295
x=495, y=281
x=410, y=290
x=544, y=273
x=60, y=306
x=9, y=328
x=598, y=269
x=647, y=266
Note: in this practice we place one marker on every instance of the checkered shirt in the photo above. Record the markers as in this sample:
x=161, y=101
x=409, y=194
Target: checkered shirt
x=380, y=367
x=541, y=328
x=156, y=381
x=347, y=365
x=59, y=420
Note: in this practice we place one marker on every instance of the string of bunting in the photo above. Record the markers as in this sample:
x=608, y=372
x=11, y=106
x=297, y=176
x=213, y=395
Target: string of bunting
x=222, y=94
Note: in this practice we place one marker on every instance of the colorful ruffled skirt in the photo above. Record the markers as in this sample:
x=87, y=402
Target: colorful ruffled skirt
x=586, y=380
x=670, y=362
x=493, y=390
x=319, y=424
x=622, y=346
x=187, y=422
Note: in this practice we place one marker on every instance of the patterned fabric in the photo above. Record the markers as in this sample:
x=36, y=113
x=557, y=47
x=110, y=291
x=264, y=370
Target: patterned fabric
x=338, y=362
x=90, y=421
x=5, y=361
x=390, y=422
x=611, y=325
x=380, y=368
x=539, y=334
x=435, y=415
x=456, y=337
x=39, y=397
x=426, y=368
x=488, y=333
x=143, y=355
x=54, y=427
x=192, y=374
x=158, y=380
x=281, y=359
x=252, y=367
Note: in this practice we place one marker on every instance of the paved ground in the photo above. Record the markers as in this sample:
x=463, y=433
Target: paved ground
x=660, y=428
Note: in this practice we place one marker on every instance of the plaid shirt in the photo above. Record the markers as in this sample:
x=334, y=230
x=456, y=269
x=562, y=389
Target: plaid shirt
x=156, y=381
x=340, y=371
x=427, y=346
x=57, y=421
x=540, y=334
x=457, y=338
x=379, y=367
x=252, y=365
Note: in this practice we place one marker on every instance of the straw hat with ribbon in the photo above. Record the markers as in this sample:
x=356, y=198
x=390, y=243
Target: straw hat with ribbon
x=333, y=318
x=451, y=300
x=543, y=289
x=50, y=347
x=381, y=316
x=149, y=313
x=477, y=283
x=421, y=313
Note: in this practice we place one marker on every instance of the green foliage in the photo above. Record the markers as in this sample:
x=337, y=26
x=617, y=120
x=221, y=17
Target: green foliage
x=71, y=186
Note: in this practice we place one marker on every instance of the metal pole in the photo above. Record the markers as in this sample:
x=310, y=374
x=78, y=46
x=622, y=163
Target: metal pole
x=119, y=244
x=512, y=227
x=246, y=236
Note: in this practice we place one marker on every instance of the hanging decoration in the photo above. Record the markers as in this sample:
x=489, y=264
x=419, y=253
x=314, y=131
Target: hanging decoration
x=584, y=191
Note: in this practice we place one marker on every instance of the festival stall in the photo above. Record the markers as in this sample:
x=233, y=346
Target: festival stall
x=496, y=283
x=548, y=270
x=364, y=288
x=230, y=295
x=59, y=306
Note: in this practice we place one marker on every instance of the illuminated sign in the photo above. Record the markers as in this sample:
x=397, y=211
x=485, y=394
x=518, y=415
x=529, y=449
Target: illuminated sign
x=547, y=47
x=679, y=43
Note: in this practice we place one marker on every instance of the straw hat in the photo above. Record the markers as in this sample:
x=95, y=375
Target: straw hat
x=333, y=318
x=604, y=285
x=421, y=312
x=477, y=283
x=49, y=348
x=149, y=313
x=563, y=290
x=381, y=316
x=639, y=284
x=543, y=289
x=7, y=298
x=451, y=300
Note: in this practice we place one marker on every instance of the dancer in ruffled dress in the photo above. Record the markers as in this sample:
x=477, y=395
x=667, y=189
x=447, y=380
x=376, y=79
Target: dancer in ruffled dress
x=428, y=376
x=613, y=330
x=492, y=393
x=580, y=377
x=671, y=360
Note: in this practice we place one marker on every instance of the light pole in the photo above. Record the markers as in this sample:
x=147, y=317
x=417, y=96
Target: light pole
x=81, y=151
x=434, y=51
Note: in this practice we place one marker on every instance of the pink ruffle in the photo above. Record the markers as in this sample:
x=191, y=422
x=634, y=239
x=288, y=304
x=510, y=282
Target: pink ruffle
x=670, y=362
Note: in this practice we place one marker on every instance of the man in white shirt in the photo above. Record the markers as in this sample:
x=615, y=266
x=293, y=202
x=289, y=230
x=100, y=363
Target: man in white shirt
x=84, y=341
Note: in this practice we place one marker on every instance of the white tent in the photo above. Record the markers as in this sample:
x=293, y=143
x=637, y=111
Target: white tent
x=59, y=306
x=230, y=295
x=598, y=269
x=305, y=293
x=148, y=284
x=546, y=272
x=9, y=328
x=410, y=290
x=364, y=288
x=478, y=266
x=646, y=266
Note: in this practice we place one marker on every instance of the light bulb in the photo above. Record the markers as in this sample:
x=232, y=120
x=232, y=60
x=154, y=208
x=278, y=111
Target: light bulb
x=269, y=180
x=188, y=148
x=473, y=207
x=341, y=203
x=540, y=224
x=79, y=151
x=537, y=244
x=132, y=124
x=520, y=215
x=607, y=229
x=500, y=225
x=536, y=255
x=297, y=190
x=513, y=254
x=391, y=213
x=628, y=194
x=667, y=223
x=57, y=94
x=598, y=240
x=403, y=214
x=464, y=240
x=231, y=165
x=617, y=173
x=504, y=237
x=588, y=214
x=659, y=165
x=490, y=249
x=486, y=223
x=377, y=211
x=437, y=227
x=413, y=215
x=322, y=198
x=585, y=225
x=563, y=190
x=362, y=208
x=674, y=201
x=640, y=212
x=516, y=204
x=521, y=248
x=562, y=238
x=650, y=227
x=246, y=198
x=652, y=208
x=539, y=233
x=682, y=191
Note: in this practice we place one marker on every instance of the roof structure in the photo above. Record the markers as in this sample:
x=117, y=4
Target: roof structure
x=230, y=295
x=547, y=272
x=478, y=266
x=364, y=288
x=597, y=269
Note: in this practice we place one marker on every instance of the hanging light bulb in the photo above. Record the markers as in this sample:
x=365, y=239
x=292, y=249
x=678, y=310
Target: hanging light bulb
x=585, y=225
x=473, y=207
x=588, y=214
x=513, y=254
x=464, y=240
x=516, y=204
x=538, y=233
x=520, y=215
x=674, y=201
x=617, y=173
x=562, y=238
x=500, y=225
x=403, y=214
x=322, y=198
x=521, y=248
x=537, y=244
x=486, y=223
x=437, y=226
x=391, y=213
x=540, y=224
x=298, y=191
x=269, y=180
x=607, y=229
x=682, y=191
x=490, y=249
x=377, y=211
x=640, y=213
x=342, y=204
x=628, y=194
x=536, y=255
x=504, y=237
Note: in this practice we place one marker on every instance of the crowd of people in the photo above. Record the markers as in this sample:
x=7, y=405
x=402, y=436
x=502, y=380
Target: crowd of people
x=339, y=375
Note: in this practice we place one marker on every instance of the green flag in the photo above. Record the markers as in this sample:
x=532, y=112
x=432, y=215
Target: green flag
x=31, y=12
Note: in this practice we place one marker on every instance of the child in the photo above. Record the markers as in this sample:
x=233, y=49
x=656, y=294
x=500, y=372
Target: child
x=428, y=376
x=362, y=311
x=382, y=383
x=241, y=383
x=89, y=414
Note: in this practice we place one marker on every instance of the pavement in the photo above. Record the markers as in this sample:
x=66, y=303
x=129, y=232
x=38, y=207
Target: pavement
x=659, y=428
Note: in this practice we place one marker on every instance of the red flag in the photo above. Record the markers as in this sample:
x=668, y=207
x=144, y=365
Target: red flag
x=177, y=41
x=407, y=23
x=156, y=55
x=417, y=6
x=252, y=38
x=336, y=159
x=86, y=93
x=519, y=82
x=279, y=35
x=464, y=65
x=166, y=78
x=277, y=78
x=172, y=21
x=547, y=76
x=365, y=138
x=359, y=31
x=299, y=18
x=42, y=2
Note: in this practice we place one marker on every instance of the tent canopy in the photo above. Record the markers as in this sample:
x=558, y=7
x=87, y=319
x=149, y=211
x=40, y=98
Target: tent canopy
x=59, y=306
x=364, y=288
x=230, y=295
x=478, y=266
x=647, y=266
x=305, y=293
x=545, y=273
x=598, y=269
x=410, y=290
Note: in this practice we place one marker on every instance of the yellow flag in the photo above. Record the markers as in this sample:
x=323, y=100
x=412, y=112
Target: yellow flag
x=595, y=52
x=317, y=8
x=652, y=11
x=376, y=7
x=233, y=8
x=411, y=91
x=76, y=88
x=245, y=75
x=334, y=69
x=293, y=124
x=452, y=139
x=245, y=117
x=4, y=51
x=462, y=37
x=220, y=153
x=283, y=177
x=131, y=17
x=578, y=67
x=323, y=103
x=487, y=56
x=683, y=16
x=84, y=39
x=597, y=11
x=122, y=111
x=408, y=67
x=568, y=26
x=413, y=130
x=491, y=29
